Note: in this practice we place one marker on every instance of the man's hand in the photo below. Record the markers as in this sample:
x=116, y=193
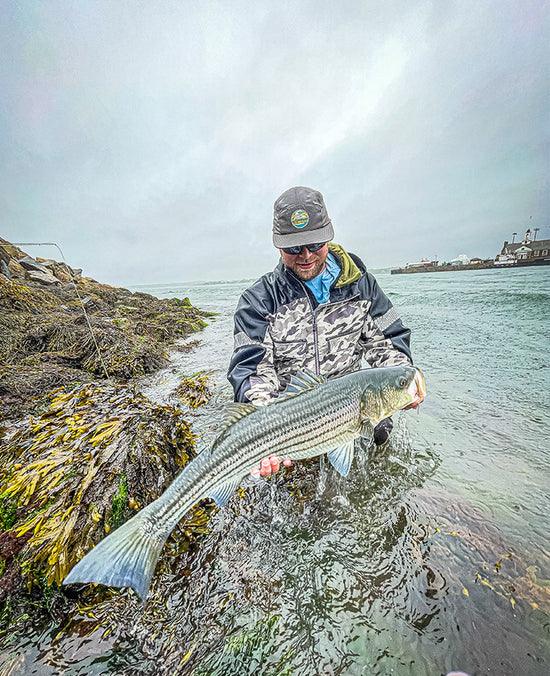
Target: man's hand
x=269, y=465
x=420, y=394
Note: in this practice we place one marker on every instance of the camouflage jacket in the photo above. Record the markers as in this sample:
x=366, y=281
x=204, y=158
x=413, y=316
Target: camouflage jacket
x=280, y=328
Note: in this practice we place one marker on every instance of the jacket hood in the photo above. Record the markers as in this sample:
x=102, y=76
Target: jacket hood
x=350, y=271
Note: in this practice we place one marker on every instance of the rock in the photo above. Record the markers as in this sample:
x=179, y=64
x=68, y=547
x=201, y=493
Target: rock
x=4, y=255
x=62, y=272
x=8, y=251
x=71, y=286
x=4, y=269
x=45, y=278
x=17, y=270
x=3, y=278
x=31, y=264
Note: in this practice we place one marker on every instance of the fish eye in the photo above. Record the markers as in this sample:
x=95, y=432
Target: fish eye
x=402, y=382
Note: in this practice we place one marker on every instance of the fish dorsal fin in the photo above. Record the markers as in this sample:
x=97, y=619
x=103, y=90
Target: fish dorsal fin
x=232, y=413
x=301, y=382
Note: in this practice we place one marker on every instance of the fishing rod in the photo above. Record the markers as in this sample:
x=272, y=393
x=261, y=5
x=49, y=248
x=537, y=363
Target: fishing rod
x=77, y=293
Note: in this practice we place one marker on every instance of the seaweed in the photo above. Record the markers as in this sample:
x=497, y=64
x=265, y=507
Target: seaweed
x=8, y=510
x=80, y=448
x=194, y=391
x=81, y=469
x=120, y=506
x=80, y=331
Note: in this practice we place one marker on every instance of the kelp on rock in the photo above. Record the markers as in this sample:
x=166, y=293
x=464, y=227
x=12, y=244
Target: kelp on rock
x=80, y=469
x=79, y=453
x=78, y=330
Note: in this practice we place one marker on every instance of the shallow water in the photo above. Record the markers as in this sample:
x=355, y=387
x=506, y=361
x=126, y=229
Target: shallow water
x=431, y=556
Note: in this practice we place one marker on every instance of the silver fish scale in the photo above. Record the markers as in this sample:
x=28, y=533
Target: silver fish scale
x=293, y=427
x=290, y=428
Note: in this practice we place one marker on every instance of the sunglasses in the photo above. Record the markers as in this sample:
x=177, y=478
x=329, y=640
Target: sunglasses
x=295, y=250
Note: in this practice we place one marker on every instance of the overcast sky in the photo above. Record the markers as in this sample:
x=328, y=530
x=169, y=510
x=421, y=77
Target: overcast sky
x=149, y=139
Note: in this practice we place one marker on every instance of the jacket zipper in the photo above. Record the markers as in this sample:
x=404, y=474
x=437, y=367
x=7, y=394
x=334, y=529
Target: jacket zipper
x=314, y=317
x=316, y=343
x=315, y=334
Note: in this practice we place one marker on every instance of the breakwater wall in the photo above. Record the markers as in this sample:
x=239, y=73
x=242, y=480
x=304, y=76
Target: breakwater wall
x=475, y=266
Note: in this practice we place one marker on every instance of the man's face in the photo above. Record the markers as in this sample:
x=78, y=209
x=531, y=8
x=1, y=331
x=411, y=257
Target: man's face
x=307, y=264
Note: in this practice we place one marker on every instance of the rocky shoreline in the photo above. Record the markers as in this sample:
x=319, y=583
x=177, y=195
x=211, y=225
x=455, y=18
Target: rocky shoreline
x=80, y=448
x=58, y=327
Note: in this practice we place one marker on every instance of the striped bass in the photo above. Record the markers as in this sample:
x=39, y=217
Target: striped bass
x=312, y=416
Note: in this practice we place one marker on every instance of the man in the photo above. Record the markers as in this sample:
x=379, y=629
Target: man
x=319, y=309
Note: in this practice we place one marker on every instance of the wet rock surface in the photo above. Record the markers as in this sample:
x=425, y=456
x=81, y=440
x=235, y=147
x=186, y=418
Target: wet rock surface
x=81, y=450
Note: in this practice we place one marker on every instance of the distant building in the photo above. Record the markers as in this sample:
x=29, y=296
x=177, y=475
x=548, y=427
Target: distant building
x=423, y=264
x=461, y=260
x=526, y=250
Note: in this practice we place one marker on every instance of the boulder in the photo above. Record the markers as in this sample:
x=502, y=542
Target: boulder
x=45, y=278
x=62, y=272
x=17, y=270
x=4, y=255
x=10, y=251
x=4, y=269
x=32, y=264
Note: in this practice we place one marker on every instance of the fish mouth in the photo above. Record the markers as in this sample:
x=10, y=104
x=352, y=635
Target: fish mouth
x=417, y=388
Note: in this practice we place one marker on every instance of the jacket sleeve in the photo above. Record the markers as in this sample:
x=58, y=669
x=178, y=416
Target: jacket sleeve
x=251, y=371
x=384, y=339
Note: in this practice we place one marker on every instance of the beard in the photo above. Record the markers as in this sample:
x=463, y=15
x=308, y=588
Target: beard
x=309, y=274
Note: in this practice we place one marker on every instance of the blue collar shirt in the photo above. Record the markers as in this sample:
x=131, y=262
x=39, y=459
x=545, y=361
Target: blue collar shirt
x=320, y=285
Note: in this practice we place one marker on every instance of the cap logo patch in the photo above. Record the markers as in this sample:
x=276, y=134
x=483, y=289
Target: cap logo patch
x=299, y=218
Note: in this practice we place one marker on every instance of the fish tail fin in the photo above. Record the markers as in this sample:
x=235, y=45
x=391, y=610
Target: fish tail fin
x=126, y=558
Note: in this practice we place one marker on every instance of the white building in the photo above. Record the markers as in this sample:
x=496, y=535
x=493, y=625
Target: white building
x=461, y=260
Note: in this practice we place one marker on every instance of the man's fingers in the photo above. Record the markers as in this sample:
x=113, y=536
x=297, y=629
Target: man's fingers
x=265, y=467
x=269, y=465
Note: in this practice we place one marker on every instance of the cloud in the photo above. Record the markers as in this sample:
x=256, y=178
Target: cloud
x=151, y=141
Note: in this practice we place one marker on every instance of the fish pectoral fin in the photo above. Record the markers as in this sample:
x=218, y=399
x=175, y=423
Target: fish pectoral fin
x=367, y=429
x=342, y=457
x=222, y=492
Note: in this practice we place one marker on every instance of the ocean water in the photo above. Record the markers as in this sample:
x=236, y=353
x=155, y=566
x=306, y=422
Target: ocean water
x=431, y=556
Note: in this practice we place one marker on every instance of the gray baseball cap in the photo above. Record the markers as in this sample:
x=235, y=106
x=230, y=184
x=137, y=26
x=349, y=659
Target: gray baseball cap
x=300, y=217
